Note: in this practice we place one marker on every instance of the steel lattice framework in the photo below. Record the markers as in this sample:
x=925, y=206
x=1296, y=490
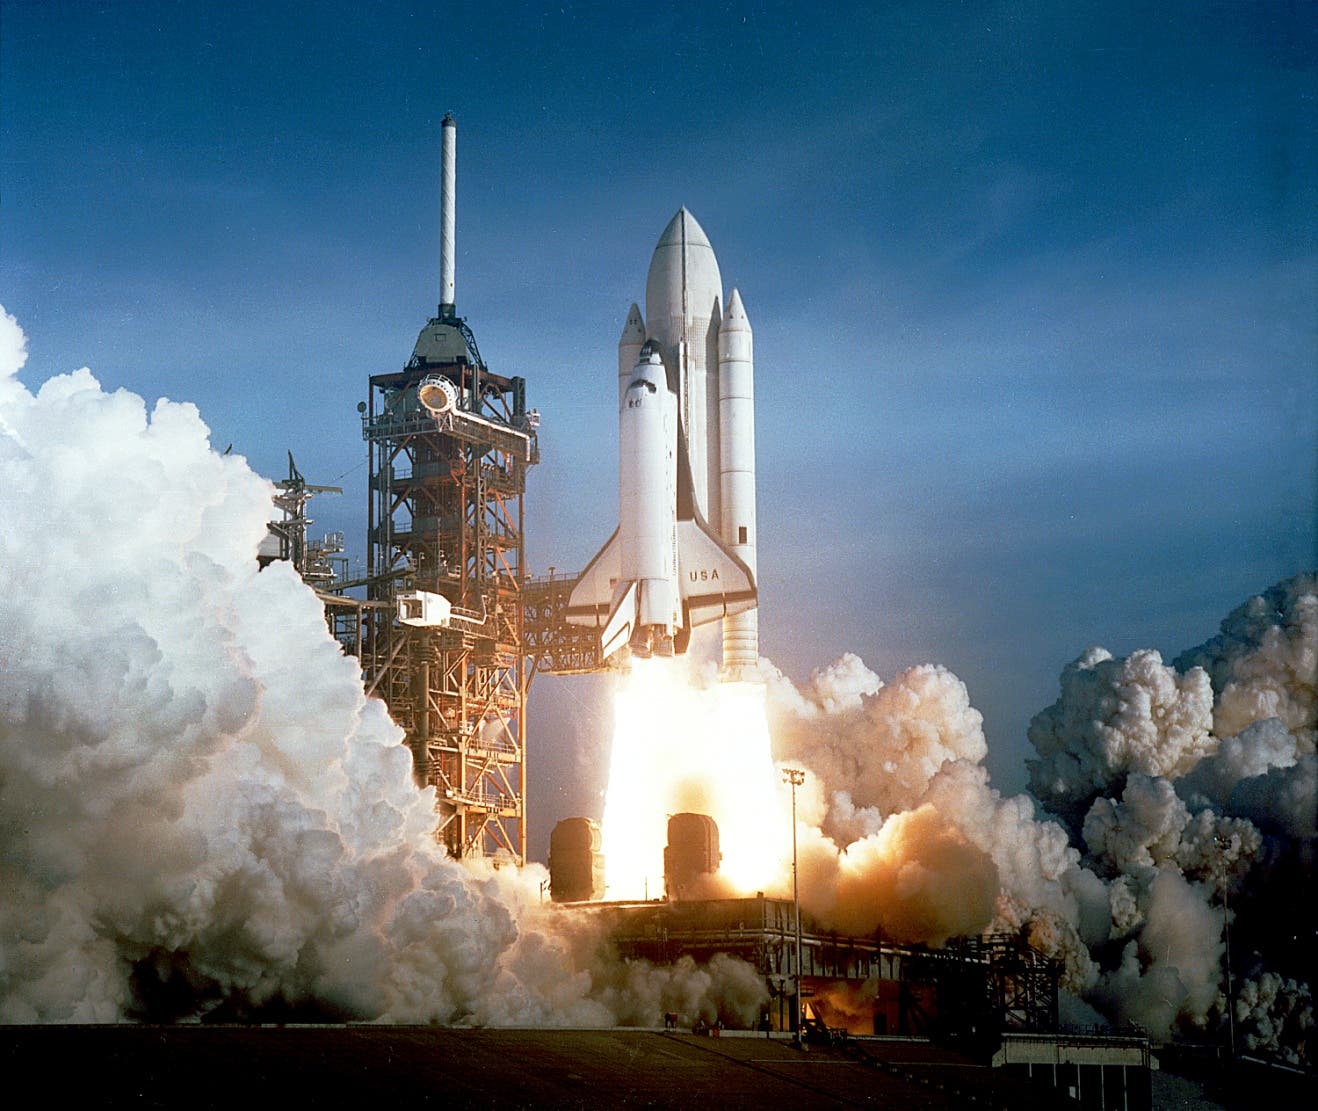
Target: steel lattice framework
x=552, y=645
x=445, y=517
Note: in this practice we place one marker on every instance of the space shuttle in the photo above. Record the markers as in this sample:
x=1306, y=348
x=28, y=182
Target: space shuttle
x=683, y=554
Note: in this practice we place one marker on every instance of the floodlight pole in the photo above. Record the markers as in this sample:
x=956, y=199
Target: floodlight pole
x=796, y=778
x=1223, y=844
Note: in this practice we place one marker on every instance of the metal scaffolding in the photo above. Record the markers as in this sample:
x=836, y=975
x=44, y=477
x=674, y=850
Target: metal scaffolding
x=319, y=562
x=445, y=522
x=552, y=645
x=972, y=989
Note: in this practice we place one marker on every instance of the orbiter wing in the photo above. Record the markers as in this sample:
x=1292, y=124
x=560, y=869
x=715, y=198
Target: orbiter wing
x=602, y=599
x=714, y=583
x=592, y=598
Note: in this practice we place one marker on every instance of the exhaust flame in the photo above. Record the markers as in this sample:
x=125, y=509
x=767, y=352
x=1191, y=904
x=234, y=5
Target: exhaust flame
x=679, y=748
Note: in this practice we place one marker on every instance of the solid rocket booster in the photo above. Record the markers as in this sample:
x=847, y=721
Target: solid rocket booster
x=629, y=350
x=736, y=410
x=684, y=552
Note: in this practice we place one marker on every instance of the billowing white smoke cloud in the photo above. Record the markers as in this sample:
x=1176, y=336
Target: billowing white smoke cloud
x=1192, y=784
x=1282, y=799
x=1171, y=970
x=901, y=759
x=1264, y=662
x=1256, y=750
x=918, y=879
x=1275, y=1016
x=1118, y=716
x=1151, y=827
x=1173, y=812
x=198, y=806
x=877, y=747
x=726, y=990
x=1045, y=893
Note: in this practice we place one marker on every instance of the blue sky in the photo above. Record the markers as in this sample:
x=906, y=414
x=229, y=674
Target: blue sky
x=1032, y=284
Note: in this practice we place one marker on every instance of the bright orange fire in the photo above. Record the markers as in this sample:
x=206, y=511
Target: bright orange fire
x=677, y=747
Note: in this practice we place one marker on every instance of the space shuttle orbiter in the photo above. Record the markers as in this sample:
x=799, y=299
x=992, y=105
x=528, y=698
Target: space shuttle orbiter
x=684, y=551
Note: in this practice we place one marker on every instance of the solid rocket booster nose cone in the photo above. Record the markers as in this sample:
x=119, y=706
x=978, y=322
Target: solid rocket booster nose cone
x=633, y=331
x=734, y=317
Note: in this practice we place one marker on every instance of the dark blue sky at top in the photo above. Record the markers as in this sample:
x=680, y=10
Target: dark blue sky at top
x=1032, y=284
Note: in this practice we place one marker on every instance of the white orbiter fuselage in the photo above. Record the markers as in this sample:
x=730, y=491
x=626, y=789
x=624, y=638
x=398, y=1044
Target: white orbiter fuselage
x=684, y=551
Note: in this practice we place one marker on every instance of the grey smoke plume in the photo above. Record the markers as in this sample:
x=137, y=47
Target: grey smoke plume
x=890, y=758
x=1193, y=785
x=1114, y=717
x=1158, y=814
x=1264, y=662
x=199, y=809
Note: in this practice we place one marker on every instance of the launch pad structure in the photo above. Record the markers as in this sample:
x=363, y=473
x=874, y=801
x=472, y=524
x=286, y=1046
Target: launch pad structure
x=445, y=554
x=975, y=988
x=440, y=633
x=449, y=631
x=446, y=625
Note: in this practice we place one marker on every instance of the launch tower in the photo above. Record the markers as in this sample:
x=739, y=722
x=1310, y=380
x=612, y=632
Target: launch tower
x=449, y=445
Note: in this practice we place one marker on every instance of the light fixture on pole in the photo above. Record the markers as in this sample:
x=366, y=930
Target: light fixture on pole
x=796, y=778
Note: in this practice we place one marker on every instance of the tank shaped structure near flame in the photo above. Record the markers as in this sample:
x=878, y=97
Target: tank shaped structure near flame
x=684, y=551
x=576, y=865
x=692, y=852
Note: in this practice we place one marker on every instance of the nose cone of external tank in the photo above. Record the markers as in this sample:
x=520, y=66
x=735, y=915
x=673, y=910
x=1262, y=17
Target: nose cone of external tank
x=684, y=280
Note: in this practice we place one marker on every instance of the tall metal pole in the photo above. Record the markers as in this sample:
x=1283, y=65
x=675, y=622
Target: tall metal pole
x=1223, y=843
x=796, y=778
x=448, y=196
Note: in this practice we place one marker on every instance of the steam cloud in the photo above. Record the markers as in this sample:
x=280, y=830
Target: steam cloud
x=199, y=809
x=1166, y=788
